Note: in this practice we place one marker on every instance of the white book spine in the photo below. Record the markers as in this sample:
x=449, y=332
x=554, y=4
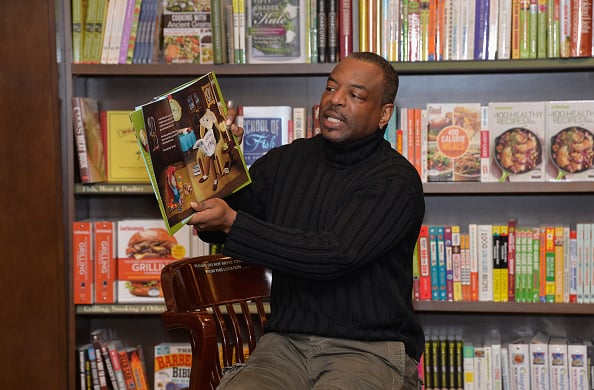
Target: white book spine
x=493, y=29
x=504, y=30
x=577, y=356
x=587, y=263
x=485, y=261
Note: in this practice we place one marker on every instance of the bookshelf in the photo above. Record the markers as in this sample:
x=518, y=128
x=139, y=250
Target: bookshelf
x=533, y=203
x=121, y=86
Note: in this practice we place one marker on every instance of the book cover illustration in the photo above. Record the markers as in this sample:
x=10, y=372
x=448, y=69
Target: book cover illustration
x=189, y=153
x=143, y=248
x=453, y=142
x=570, y=131
x=173, y=363
x=265, y=127
x=276, y=31
x=516, y=137
x=187, y=32
x=124, y=161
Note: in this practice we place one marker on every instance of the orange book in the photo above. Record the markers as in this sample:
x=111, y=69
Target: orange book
x=138, y=368
x=126, y=368
x=82, y=253
x=515, y=31
x=105, y=261
x=399, y=141
x=433, y=32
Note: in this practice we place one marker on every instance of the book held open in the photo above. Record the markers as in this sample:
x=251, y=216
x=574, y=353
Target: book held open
x=189, y=153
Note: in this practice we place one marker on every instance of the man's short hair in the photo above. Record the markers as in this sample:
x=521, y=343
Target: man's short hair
x=390, y=74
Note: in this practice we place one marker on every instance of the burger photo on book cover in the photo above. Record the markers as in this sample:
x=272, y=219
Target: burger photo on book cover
x=149, y=243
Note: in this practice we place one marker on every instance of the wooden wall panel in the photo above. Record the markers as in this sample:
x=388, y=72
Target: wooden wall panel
x=33, y=328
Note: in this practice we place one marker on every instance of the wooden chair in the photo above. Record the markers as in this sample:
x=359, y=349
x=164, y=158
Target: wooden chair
x=213, y=297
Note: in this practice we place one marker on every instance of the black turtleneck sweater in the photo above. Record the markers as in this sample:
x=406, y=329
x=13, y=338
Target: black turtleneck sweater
x=337, y=225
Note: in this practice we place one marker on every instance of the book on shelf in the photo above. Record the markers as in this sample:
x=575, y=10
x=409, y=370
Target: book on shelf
x=122, y=156
x=553, y=29
x=79, y=11
x=265, y=127
x=468, y=365
x=275, y=31
x=172, y=365
x=485, y=261
x=104, y=259
x=239, y=31
x=345, y=29
x=146, y=48
x=299, y=123
x=117, y=30
x=581, y=28
x=219, y=31
x=138, y=367
x=144, y=247
x=85, y=377
x=453, y=142
x=558, y=363
x=100, y=339
x=126, y=368
x=517, y=146
x=577, y=361
x=189, y=153
x=187, y=32
x=570, y=136
x=519, y=363
x=93, y=373
x=565, y=28
x=88, y=139
x=539, y=362
x=127, y=54
x=424, y=265
x=120, y=54
x=82, y=252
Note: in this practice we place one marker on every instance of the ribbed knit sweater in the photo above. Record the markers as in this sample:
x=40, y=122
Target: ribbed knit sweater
x=337, y=225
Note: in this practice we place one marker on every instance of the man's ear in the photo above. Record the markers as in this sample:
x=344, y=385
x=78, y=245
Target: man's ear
x=387, y=111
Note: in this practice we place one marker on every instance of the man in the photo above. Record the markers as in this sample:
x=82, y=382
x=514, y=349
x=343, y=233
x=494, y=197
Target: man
x=335, y=217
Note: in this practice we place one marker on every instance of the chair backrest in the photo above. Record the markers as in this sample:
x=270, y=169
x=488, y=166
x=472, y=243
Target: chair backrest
x=215, y=298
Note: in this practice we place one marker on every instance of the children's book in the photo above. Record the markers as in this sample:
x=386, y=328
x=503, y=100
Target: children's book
x=189, y=153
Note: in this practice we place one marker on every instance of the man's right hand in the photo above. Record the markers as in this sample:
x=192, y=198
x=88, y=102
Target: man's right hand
x=230, y=122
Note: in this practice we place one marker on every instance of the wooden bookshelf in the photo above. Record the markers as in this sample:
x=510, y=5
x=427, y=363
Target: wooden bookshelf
x=123, y=86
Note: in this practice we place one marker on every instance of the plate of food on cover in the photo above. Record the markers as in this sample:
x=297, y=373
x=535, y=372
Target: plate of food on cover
x=468, y=166
x=517, y=150
x=572, y=150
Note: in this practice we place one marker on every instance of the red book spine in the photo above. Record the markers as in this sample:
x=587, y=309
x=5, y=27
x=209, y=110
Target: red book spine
x=345, y=29
x=424, y=265
x=581, y=28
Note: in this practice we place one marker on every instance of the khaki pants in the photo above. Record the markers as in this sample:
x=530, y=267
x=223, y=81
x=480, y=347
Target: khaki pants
x=300, y=362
